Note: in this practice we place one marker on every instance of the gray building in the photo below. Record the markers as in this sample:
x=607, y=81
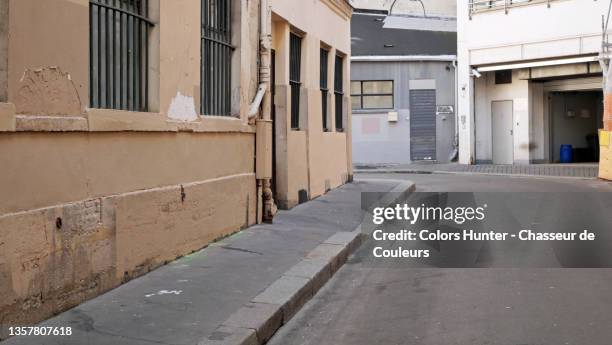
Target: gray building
x=403, y=88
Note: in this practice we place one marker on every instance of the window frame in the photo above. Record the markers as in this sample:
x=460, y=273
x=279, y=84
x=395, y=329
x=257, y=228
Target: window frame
x=216, y=56
x=295, y=77
x=339, y=92
x=324, y=87
x=362, y=94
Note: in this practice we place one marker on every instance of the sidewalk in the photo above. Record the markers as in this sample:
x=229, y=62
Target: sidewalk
x=579, y=170
x=187, y=300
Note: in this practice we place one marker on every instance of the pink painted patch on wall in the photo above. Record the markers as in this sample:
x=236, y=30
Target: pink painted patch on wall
x=370, y=126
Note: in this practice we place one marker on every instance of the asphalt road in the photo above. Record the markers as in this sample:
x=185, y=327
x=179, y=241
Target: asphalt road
x=365, y=304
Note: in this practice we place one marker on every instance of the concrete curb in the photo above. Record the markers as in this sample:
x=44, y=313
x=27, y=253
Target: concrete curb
x=429, y=172
x=257, y=321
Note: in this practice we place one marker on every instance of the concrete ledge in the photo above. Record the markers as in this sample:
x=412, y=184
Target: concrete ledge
x=290, y=292
x=226, y=335
x=7, y=117
x=27, y=123
x=263, y=318
x=280, y=301
x=105, y=120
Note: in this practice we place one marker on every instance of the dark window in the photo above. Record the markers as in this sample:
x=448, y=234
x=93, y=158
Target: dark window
x=339, y=92
x=295, y=66
x=372, y=94
x=324, y=88
x=216, y=58
x=503, y=77
x=118, y=54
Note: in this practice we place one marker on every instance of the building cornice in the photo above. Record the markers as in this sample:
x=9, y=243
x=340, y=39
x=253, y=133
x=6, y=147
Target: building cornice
x=342, y=7
x=402, y=58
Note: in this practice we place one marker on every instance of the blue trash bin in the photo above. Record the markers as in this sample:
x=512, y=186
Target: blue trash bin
x=567, y=154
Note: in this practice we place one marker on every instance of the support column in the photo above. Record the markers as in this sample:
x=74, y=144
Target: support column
x=465, y=101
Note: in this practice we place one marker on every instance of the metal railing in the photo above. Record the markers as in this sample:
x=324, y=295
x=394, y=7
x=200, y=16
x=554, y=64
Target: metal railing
x=476, y=6
x=118, y=54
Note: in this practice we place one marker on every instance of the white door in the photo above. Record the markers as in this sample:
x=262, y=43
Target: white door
x=503, y=133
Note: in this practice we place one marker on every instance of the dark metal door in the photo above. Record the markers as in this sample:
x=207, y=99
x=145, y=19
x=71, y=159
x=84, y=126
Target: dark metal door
x=422, y=125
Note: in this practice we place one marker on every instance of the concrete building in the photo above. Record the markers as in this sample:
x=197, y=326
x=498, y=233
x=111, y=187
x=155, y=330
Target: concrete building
x=529, y=80
x=403, y=85
x=135, y=132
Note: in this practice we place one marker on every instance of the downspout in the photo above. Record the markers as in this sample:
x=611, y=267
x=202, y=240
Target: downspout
x=455, y=153
x=263, y=136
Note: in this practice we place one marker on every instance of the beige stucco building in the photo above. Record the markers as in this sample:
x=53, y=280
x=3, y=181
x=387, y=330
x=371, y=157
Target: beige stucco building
x=316, y=145
x=132, y=133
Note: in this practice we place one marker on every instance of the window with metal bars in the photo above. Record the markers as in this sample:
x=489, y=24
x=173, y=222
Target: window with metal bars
x=217, y=52
x=339, y=92
x=324, y=88
x=295, y=66
x=119, y=54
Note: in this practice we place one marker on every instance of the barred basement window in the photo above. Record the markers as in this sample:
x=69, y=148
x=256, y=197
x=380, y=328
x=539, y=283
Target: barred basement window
x=119, y=54
x=339, y=93
x=324, y=88
x=217, y=52
x=295, y=66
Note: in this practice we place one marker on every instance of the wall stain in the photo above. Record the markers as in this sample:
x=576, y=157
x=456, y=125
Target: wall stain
x=47, y=91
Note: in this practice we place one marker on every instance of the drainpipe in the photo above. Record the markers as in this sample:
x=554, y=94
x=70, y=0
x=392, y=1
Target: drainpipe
x=263, y=137
x=455, y=153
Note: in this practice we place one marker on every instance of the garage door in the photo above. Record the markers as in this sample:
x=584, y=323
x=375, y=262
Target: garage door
x=422, y=125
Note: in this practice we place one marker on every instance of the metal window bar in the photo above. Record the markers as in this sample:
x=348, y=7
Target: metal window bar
x=295, y=66
x=118, y=54
x=324, y=89
x=217, y=49
x=339, y=92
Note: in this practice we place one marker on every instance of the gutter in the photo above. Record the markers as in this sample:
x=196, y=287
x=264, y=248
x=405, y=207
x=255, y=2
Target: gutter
x=402, y=58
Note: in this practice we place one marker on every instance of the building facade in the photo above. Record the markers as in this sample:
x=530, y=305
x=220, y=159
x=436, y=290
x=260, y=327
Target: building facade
x=529, y=80
x=403, y=86
x=311, y=55
x=135, y=132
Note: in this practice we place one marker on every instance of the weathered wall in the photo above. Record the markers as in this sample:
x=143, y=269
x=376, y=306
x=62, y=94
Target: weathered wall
x=53, y=258
x=4, y=25
x=48, y=56
x=180, y=49
x=81, y=166
x=91, y=198
x=310, y=159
